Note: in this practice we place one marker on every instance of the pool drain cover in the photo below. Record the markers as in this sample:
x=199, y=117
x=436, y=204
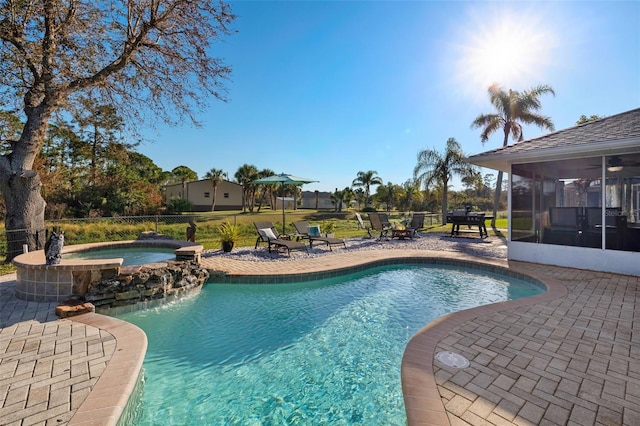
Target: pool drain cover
x=452, y=359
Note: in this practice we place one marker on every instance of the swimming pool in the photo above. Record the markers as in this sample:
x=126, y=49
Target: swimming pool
x=130, y=255
x=322, y=352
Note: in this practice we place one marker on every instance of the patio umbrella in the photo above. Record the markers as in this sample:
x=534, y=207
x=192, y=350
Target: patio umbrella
x=283, y=179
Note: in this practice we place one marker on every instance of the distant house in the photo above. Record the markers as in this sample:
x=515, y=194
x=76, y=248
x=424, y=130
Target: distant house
x=574, y=195
x=317, y=200
x=200, y=193
x=288, y=203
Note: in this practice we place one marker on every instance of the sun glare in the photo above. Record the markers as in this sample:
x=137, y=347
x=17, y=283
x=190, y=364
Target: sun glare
x=506, y=50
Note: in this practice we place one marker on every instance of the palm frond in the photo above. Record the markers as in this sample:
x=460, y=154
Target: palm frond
x=541, y=121
x=490, y=128
x=540, y=90
x=499, y=99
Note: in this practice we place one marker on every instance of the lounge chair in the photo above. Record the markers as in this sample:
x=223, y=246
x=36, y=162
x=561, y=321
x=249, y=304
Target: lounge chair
x=384, y=218
x=417, y=223
x=378, y=225
x=302, y=232
x=361, y=225
x=267, y=233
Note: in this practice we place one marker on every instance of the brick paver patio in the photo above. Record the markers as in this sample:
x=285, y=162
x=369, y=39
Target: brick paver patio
x=569, y=358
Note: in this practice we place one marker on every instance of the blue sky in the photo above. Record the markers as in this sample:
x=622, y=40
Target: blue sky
x=324, y=89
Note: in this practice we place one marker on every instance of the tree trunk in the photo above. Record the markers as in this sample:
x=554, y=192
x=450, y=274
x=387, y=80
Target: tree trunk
x=21, y=186
x=213, y=199
x=445, y=199
x=24, y=223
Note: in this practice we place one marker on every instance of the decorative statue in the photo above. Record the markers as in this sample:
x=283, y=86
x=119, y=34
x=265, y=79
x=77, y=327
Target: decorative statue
x=191, y=231
x=53, y=247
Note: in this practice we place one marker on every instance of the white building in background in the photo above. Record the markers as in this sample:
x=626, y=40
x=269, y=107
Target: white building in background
x=200, y=192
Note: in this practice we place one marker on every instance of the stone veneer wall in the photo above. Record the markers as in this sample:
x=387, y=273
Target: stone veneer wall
x=139, y=287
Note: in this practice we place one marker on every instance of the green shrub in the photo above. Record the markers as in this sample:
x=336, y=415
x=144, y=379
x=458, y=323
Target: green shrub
x=179, y=205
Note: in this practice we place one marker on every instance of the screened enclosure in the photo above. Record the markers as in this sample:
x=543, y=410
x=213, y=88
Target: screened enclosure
x=587, y=202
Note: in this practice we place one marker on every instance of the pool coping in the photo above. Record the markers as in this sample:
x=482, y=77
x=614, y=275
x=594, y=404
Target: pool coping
x=423, y=402
x=36, y=259
x=109, y=397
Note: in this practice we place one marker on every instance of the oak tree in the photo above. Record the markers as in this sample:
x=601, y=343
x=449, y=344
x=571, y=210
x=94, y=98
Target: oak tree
x=150, y=59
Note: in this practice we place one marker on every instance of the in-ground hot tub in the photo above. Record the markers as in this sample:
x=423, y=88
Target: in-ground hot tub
x=38, y=282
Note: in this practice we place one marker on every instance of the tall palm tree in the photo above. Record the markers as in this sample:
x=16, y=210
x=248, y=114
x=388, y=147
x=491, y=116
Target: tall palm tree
x=365, y=180
x=216, y=177
x=436, y=168
x=512, y=110
x=246, y=174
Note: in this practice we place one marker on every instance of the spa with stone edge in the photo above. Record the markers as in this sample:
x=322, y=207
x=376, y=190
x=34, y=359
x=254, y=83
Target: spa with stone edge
x=106, y=283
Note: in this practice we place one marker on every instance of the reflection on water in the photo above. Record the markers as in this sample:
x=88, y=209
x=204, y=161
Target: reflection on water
x=315, y=353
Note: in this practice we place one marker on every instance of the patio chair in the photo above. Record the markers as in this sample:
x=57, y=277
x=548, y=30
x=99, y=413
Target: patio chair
x=417, y=223
x=384, y=218
x=361, y=225
x=378, y=225
x=267, y=233
x=303, y=232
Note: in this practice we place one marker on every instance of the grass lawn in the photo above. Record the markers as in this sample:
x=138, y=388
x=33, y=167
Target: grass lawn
x=344, y=226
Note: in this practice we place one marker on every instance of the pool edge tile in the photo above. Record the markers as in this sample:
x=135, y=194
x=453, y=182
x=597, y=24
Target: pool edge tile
x=119, y=377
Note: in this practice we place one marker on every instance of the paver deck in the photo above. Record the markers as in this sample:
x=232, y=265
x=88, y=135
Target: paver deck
x=569, y=357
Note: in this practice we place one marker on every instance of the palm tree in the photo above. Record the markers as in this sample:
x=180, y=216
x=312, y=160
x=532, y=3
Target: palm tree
x=512, y=110
x=409, y=194
x=388, y=194
x=216, y=177
x=266, y=190
x=336, y=199
x=340, y=198
x=246, y=174
x=365, y=180
x=436, y=168
x=359, y=196
x=184, y=174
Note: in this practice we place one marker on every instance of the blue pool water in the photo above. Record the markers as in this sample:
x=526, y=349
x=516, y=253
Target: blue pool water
x=130, y=255
x=325, y=352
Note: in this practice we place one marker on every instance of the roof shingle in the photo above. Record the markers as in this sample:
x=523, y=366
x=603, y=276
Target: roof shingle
x=621, y=126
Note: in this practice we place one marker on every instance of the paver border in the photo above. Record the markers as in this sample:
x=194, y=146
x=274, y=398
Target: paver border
x=109, y=397
x=423, y=403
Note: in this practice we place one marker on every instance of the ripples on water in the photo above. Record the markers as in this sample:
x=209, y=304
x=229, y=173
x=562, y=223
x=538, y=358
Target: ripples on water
x=326, y=352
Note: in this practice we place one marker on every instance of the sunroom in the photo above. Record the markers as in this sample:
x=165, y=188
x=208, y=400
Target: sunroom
x=574, y=195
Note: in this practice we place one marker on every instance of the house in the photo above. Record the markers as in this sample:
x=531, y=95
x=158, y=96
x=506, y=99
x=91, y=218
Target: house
x=288, y=202
x=574, y=195
x=316, y=200
x=200, y=193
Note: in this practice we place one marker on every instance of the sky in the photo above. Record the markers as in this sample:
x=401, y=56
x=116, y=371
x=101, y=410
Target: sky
x=325, y=89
